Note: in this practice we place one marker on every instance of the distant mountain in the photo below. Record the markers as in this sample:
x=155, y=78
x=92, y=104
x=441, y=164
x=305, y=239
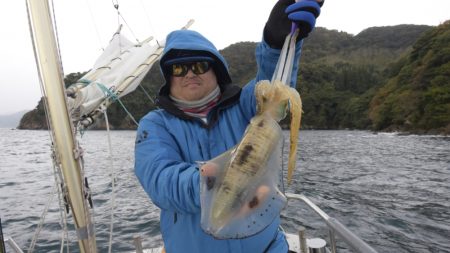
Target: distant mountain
x=384, y=78
x=375, y=45
x=11, y=120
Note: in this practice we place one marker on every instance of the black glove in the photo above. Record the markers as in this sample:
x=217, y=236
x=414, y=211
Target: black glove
x=278, y=26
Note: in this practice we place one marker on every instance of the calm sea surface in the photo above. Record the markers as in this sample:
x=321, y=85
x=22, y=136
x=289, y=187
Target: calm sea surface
x=391, y=190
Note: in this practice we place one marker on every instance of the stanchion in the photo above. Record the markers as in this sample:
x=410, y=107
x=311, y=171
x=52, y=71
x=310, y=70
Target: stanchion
x=2, y=239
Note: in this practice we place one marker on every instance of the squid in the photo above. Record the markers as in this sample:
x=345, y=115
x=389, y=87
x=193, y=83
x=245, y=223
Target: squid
x=242, y=197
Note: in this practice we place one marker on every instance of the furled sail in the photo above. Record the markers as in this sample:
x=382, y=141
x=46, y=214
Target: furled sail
x=117, y=72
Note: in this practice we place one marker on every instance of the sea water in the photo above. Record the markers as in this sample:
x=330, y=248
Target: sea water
x=391, y=190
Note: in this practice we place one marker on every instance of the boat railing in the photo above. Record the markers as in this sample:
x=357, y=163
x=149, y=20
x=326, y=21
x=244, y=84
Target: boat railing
x=13, y=245
x=335, y=227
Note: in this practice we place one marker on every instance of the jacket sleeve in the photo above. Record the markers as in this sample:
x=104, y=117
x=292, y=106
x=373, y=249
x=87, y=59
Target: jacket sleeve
x=266, y=60
x=171, y=183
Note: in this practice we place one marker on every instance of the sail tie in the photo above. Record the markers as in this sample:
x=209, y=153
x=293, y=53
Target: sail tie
x=114, y=97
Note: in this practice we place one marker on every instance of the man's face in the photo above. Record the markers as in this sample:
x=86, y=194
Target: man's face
x=192, y=87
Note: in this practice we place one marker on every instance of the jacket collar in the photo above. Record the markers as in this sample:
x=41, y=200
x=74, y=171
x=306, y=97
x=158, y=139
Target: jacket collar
x=230, y=96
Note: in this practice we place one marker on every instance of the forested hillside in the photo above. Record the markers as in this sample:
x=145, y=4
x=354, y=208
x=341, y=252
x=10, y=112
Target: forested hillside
x=384, y=78
x=417, y=95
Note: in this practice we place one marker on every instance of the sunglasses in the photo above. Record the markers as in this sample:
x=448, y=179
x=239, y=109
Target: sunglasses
x=181, y=69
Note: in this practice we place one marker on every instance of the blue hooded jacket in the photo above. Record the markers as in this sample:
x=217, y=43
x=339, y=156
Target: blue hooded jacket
x=169, y=143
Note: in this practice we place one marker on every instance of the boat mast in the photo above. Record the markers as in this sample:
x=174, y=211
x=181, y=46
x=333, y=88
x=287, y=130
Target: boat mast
x=67, y=157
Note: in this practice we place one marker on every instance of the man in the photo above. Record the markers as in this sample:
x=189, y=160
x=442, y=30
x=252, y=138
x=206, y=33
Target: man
x=203, y=115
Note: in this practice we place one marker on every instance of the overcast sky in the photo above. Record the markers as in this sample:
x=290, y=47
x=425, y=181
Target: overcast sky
x=86, y=26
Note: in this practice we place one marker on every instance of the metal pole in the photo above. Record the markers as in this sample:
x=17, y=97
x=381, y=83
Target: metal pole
x=332, y=241
x=51, y=76
x=138, y=244
x=351, y=239
x=2, y=240
x=302, y=239
x=13, y=245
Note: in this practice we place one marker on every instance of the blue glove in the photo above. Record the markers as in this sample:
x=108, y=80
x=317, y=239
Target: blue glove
x=278, y=26
x=304, y=14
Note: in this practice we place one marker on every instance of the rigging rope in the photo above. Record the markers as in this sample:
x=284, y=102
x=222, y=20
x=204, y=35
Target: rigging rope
x=148, y=18
x=84, y=190
x=114, y=97
x=113, y=180
x=146, y=93
x=115, y=3
x=41, y=221
x=57, y=37
x=120, y=16
x=95, y=26
x=62, y=210
x=63, y=220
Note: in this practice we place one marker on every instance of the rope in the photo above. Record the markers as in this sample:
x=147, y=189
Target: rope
x=41, y=222
x=146, y=93
x=57, y=37
x=119, y=15
x=95, y=27
x=129, y=28
x=111, y=95
x=147, y=16
x=62, y=209
x=113, y=180
x=63, y=224
x=85, y=82
x=57, y=173
x=85, y=190
x=116, y=6
x=58, y=179
x=115, y=3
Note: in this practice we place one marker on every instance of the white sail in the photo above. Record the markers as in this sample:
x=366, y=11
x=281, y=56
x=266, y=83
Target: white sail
x=117, y=72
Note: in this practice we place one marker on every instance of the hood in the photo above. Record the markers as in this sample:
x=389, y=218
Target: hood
x=191, y=44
